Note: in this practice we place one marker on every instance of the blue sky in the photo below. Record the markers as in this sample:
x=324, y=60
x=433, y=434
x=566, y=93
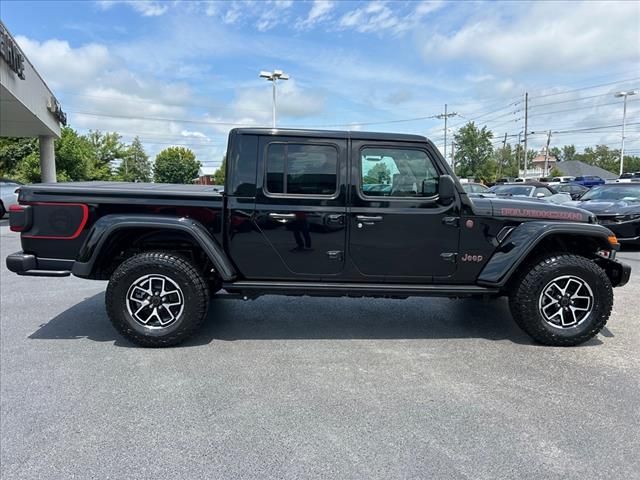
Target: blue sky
x=186, y=72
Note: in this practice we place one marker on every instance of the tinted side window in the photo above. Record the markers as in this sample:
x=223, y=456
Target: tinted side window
x=276, y=155
x=397, y=172
x=544, y=191
x=301, y=169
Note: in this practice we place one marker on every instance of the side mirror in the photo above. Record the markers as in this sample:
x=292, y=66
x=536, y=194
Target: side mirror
x=539, y=194
x=446, y=189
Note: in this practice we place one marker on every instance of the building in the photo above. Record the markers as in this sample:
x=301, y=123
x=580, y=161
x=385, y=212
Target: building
x=205, y=176
x=28, y=108
x=536, y=168
x=576, y=168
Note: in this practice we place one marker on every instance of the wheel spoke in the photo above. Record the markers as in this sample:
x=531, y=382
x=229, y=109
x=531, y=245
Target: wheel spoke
x=171, y=316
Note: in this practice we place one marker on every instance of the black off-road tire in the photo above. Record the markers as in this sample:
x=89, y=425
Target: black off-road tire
x=529, y=286
x=187, y=280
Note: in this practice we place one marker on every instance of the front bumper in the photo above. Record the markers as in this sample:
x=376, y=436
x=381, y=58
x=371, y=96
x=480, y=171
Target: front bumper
x=618, y=272
x=28, y=264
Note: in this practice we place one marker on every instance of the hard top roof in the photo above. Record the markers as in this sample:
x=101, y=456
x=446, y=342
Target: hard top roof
x=356, y=135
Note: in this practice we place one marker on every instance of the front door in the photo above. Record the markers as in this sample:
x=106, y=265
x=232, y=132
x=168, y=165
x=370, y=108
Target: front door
x=399, y=231
x=301, y=205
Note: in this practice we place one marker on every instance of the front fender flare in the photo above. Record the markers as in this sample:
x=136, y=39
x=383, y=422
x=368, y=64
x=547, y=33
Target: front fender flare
x=515, y=248
x=106, y=226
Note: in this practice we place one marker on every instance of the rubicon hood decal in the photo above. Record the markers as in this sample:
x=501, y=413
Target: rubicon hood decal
x=543, y=213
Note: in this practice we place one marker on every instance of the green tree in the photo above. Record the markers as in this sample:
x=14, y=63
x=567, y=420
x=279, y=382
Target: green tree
x=135, y=165
x=601, y=156
x=556, y=152
x=556, y=172
x=176, y=165
x=506, y=162
x=379, y=173
x=474, y=152
x=219, y=174
x=108, y=148
x=13, y=151
x=568, y=153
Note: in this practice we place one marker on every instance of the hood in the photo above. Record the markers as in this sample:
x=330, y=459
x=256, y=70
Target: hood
x=523, y=209
x=609, y=207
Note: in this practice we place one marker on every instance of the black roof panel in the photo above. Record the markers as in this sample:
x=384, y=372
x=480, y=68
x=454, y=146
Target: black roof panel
x=356, y=135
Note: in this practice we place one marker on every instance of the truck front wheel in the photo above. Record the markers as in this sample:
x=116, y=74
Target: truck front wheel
x=562, y=300
x=157, y=299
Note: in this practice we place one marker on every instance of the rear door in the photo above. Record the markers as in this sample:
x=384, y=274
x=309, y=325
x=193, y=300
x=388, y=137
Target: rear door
x=300, y=205
x=399, y=231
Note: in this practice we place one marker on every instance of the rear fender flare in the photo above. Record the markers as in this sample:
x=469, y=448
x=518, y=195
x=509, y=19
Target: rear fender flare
x=103, y=229
x=517, y=246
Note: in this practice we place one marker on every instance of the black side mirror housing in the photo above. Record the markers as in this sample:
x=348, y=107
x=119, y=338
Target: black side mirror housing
x=446, y=189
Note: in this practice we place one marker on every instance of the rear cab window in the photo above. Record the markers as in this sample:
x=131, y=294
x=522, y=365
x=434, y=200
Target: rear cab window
x=301, y=169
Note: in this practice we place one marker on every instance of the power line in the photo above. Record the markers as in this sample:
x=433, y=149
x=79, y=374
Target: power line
x=587, y=88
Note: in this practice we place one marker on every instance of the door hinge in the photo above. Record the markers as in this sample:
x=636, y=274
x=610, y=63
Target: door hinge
x=335, y=255
x=451, y=221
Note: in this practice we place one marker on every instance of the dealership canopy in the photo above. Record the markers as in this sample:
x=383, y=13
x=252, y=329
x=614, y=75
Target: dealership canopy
x=28, y=108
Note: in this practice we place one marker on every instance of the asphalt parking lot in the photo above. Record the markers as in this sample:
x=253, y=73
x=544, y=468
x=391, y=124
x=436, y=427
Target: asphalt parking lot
x=312, y=388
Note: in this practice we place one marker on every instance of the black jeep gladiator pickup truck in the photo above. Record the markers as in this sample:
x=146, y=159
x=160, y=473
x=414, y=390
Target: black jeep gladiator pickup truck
x=324, y=213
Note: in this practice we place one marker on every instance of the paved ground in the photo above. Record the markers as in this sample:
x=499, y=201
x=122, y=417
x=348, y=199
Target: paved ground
x=312, y=388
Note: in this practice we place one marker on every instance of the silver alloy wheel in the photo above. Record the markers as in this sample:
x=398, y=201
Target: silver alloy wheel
x=566, y=302
x=155, y=301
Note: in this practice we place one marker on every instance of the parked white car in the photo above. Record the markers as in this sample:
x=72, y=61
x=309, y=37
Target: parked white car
x=559, y=180
x=530, y=190
x=8, y=195
x=628, y=177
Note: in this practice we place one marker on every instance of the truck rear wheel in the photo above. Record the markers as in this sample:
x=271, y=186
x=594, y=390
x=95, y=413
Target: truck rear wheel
x=562, y=300
x=157, y=299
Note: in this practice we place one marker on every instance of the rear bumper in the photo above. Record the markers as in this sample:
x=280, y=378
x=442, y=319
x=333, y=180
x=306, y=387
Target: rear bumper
x=28, y=264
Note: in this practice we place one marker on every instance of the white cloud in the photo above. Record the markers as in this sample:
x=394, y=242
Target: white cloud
x=545, y=36
x=292, y=102
x=283, y=3
x=320, y=10
x=271, y=17
x=147, y=8
x=428, y=6
x=480, y=78
x=194, y=134
x=233, y=14
x=379, y=16
x=62, y=65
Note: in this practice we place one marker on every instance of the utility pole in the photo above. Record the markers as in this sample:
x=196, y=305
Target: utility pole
x=546, y=154
x=501, y=159
x=526, y=119
x=445, y=116
x=624, y=121
x=453, y=156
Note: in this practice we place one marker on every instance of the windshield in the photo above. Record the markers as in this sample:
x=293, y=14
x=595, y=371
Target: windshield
x=630, y=193
x=521, y=190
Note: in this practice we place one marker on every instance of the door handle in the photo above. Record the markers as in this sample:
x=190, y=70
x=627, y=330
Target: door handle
x=335, y=218
x=283, y=217
x=368, y=219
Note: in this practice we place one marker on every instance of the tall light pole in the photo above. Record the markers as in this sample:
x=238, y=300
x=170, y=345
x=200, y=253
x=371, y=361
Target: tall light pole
x=624, y=121
x=273, y=77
